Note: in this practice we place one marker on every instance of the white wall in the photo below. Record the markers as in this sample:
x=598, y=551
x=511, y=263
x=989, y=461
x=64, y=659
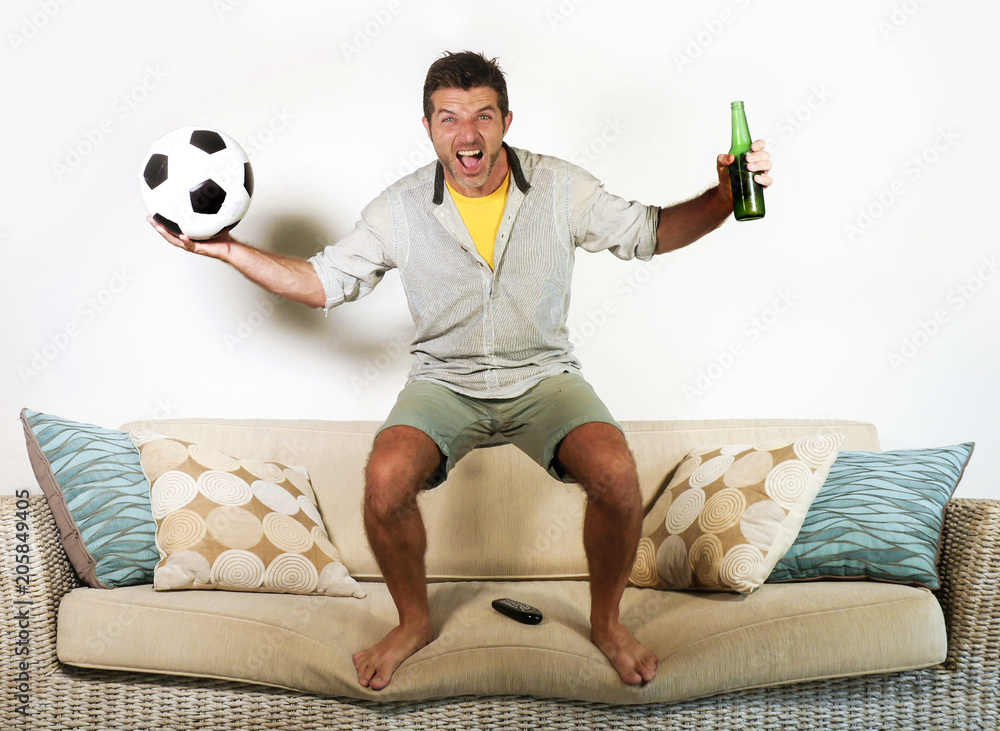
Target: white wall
x=870, y=290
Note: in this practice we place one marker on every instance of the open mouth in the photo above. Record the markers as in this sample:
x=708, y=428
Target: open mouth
x=470, y=160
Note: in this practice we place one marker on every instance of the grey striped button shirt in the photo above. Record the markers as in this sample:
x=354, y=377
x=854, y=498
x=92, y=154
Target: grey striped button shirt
x=481, y=332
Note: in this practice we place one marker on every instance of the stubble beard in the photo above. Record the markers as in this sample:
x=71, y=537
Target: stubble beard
x=462, y=178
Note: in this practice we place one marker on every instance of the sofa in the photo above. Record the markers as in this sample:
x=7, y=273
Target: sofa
x=825, y=654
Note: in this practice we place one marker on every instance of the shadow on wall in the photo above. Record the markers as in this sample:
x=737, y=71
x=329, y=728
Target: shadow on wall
x=367, y=330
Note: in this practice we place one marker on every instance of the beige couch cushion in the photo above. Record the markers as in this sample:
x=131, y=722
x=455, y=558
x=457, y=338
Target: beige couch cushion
x=517, y=522
x=707, y=642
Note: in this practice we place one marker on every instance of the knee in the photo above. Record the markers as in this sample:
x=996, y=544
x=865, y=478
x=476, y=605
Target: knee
x=615, y=487
x=390, y=490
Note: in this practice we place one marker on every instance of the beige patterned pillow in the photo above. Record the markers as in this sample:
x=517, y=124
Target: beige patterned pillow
x=240, y=525
x=730, y=513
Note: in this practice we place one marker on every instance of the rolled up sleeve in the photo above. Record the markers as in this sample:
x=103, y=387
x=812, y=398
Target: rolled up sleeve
x=603, y=221
x=350, y=268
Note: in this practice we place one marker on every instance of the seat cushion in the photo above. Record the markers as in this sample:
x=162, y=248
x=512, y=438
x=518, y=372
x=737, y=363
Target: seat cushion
x=707, y=643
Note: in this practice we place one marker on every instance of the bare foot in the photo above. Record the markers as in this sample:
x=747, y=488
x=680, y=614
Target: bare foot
x=376, y=665
x=633, y=662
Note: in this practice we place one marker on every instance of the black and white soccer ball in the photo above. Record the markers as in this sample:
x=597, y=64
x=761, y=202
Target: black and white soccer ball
x=196, y=181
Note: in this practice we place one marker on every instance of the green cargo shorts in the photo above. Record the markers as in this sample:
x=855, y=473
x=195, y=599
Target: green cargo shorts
x=535, y=422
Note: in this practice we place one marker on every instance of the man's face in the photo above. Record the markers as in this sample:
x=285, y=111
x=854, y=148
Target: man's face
x=467, y=131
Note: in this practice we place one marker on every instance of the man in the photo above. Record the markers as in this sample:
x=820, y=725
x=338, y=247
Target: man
x=484, y=241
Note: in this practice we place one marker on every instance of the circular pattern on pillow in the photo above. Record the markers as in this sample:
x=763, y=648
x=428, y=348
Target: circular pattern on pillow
x=787, y=482
x=705, y=556
x=760, y=523
x=238, y=569
x=180, y=530
x=224, y=488
x=291, y=572
x=301, y=483
x=749, y=469
x=167, y=455
x=730, y=513
x=739, y=565
x=672, y=562
x=213, y=459
x=813, y=450
x=242, y=525
x=722, y=511
x=711, y=470
x=171, y=491
x=275, y=497
x=286, y=533
x=684, y=510
x=644, y=570
x=263, y=470
x=234, y=527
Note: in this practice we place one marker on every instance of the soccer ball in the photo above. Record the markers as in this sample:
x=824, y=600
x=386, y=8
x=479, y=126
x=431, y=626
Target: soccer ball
x=196, y=181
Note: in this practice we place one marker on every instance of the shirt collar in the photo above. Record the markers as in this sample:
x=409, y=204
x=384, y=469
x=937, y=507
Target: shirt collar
x=515, y=170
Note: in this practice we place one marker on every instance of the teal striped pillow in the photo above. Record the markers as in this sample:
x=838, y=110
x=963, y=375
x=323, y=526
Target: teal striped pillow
x=99, y=496
x=878, y=516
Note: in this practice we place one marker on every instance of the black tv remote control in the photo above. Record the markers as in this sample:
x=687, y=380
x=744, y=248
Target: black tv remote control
x=518, y=610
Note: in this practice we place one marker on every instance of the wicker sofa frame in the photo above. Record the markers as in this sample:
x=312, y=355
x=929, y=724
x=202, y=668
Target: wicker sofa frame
x=962, y=693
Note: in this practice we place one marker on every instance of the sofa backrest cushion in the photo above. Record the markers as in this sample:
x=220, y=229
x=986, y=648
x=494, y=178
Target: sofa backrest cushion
x=499, y=515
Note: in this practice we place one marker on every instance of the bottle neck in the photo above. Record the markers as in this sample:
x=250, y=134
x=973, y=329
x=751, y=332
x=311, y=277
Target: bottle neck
x=741, y=131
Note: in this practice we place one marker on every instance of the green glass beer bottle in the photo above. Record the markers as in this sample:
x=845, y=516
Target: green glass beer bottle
x=748, y=195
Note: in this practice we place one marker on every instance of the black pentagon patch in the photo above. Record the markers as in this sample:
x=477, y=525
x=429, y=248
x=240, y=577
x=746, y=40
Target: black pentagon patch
x=207, y=140
x=207, y=197
x=155, y=171
x=248, y=178
x=167, y=224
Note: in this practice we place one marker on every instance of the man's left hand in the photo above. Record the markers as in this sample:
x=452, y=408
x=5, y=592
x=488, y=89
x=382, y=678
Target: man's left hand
x=757, y=160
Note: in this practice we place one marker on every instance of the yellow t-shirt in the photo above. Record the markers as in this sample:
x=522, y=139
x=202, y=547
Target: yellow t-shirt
x=482, y=217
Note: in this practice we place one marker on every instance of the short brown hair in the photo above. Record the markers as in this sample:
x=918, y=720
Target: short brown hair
x=465, y=70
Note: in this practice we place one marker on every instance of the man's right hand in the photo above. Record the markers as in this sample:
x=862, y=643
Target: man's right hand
x=217, y=247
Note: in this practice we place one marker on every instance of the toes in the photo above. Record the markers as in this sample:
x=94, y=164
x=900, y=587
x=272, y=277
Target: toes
x=365, y=671
x=632, y=678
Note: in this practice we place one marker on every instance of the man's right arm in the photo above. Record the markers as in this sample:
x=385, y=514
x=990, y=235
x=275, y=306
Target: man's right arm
x=292, y=278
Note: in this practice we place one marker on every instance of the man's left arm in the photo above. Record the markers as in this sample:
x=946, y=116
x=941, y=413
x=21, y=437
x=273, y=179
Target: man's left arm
x=686, y=222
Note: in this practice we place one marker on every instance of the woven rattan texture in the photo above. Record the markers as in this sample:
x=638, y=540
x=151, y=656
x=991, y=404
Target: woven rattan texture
x=964, y=693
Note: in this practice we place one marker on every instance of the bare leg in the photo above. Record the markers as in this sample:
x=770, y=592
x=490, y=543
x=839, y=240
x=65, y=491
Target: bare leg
x=402, y=460
x=597, y=455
